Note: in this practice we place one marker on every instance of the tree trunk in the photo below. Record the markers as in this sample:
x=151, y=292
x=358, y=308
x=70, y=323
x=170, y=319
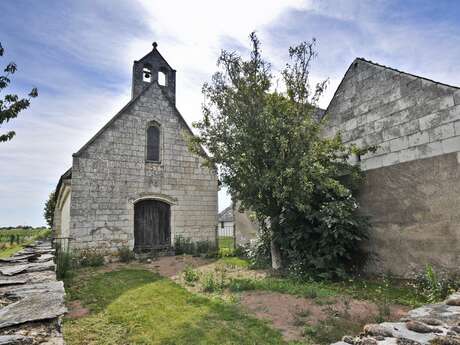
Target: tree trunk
x=275, y=249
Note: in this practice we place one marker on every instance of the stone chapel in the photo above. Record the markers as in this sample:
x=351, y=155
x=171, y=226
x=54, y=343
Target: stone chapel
x=135, y=183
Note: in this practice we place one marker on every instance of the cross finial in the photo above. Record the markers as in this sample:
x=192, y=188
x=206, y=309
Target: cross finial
x=155, y=45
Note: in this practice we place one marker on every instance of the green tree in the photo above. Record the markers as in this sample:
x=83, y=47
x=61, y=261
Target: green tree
x=272, y=157
x=11, y=105
x=48, y=212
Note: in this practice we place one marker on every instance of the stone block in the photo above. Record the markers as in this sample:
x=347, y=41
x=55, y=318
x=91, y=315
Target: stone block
x=457, y=97
x=451, y=145
x=441, y=132
x=398, y=144
x=418, y=139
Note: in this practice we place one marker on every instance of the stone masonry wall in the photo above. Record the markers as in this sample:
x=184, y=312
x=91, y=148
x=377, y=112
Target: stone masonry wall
x=110, y=174
x=411, y=188
x=406, y=116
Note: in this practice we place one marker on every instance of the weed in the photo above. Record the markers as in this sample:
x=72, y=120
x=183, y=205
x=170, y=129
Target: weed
x=241, y=284
x=125, y=254
x=190, y=275
x=90, y=258
x=311, y=293
x=209, y=283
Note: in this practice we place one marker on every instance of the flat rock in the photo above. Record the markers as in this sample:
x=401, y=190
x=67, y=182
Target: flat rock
x=18, y=258
x=453, y=300
x=377, y=330
x=55, y=287
x=419, y=327
x=12, y=270
x=448, y=314
x=11, y=281
x=33, y=308
x=44, y=257
x=400, y=330
x=15, y=340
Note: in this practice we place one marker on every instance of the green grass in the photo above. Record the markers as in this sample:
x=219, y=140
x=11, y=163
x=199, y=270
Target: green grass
x=234, y=261
x=377, y=291
x=22, y=237
x=226, y=242
x=134, y=306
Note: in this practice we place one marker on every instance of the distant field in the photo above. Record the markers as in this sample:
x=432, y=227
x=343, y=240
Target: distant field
x=13, y=240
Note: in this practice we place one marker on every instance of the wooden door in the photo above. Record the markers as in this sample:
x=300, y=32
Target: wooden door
x=151, y=225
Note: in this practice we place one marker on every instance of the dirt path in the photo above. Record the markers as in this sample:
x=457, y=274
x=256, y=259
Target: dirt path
x=290, y=314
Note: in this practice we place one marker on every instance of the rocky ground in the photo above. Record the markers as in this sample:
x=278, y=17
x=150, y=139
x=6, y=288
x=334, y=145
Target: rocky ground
x=436, y=324
x=31, y=300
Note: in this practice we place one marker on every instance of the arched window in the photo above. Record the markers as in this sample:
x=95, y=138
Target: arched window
x=147, y=73
x=153, y=143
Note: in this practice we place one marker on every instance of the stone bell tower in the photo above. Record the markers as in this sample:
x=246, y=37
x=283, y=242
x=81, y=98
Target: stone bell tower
x=153, y=68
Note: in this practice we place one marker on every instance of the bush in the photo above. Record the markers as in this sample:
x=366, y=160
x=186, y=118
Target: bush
x=435, y=286
x=183, y=246
x=209, y=283
x=125, y=254
x=90, y=258
x=258, y=252
x=187, y=246
x=190, y=275
x=64, y=264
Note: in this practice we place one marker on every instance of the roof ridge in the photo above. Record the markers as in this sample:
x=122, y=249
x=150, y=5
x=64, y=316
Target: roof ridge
x=407, y=73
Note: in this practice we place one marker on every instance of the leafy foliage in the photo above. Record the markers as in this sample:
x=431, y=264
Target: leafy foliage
x=125, y=254
x=48, y=211
x=433, y=285
x=184, y=245
x=274, y=160
x=11, y=104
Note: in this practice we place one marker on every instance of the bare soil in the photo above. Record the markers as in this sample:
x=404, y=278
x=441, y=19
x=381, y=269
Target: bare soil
x=290, y=314
x=76, y=310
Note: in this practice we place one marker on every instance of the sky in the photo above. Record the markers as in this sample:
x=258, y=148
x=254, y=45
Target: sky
x=79, y=55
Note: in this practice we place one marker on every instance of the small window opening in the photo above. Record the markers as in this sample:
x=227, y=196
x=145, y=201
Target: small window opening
x=153, y=143
x=147, y=75
x=161, y=78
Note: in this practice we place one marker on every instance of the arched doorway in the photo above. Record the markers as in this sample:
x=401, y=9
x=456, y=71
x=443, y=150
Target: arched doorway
x=152, y=230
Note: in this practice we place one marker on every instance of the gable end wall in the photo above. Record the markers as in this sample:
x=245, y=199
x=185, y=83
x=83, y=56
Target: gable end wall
x=412, y=183
x=110, y=174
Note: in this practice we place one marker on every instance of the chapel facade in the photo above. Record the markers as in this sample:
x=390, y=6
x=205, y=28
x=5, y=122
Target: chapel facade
x=135, y=183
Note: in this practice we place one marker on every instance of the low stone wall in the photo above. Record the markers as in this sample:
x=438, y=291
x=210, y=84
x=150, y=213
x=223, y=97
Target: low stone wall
x=31, y=299
x=436, y=324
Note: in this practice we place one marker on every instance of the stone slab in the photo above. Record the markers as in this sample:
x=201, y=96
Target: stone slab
x=34, y=307
x=15, y=340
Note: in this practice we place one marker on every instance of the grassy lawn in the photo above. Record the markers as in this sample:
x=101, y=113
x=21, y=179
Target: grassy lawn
x=135, y=306
x=377, y=291
x=13, y=240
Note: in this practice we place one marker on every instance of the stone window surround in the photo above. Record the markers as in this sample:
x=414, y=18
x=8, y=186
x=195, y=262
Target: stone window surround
x=160, y=154
x=153, y=196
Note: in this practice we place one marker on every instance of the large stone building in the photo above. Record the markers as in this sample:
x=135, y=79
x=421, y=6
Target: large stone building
x=412, y=185
x=412, y=182
x=135, y=183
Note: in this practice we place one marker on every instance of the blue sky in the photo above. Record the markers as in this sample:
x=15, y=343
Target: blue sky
x=79, y=54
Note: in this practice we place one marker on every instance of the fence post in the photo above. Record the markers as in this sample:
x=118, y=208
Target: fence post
x=234, y=235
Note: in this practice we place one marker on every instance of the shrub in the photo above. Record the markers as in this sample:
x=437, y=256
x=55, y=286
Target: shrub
x=183, y=246
x=434, y=286
x=187, y=246
x=64, y=264
x=125, y=254
x=190, y=275
x=209, y=283
x=90, y=258
x=258, y=252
